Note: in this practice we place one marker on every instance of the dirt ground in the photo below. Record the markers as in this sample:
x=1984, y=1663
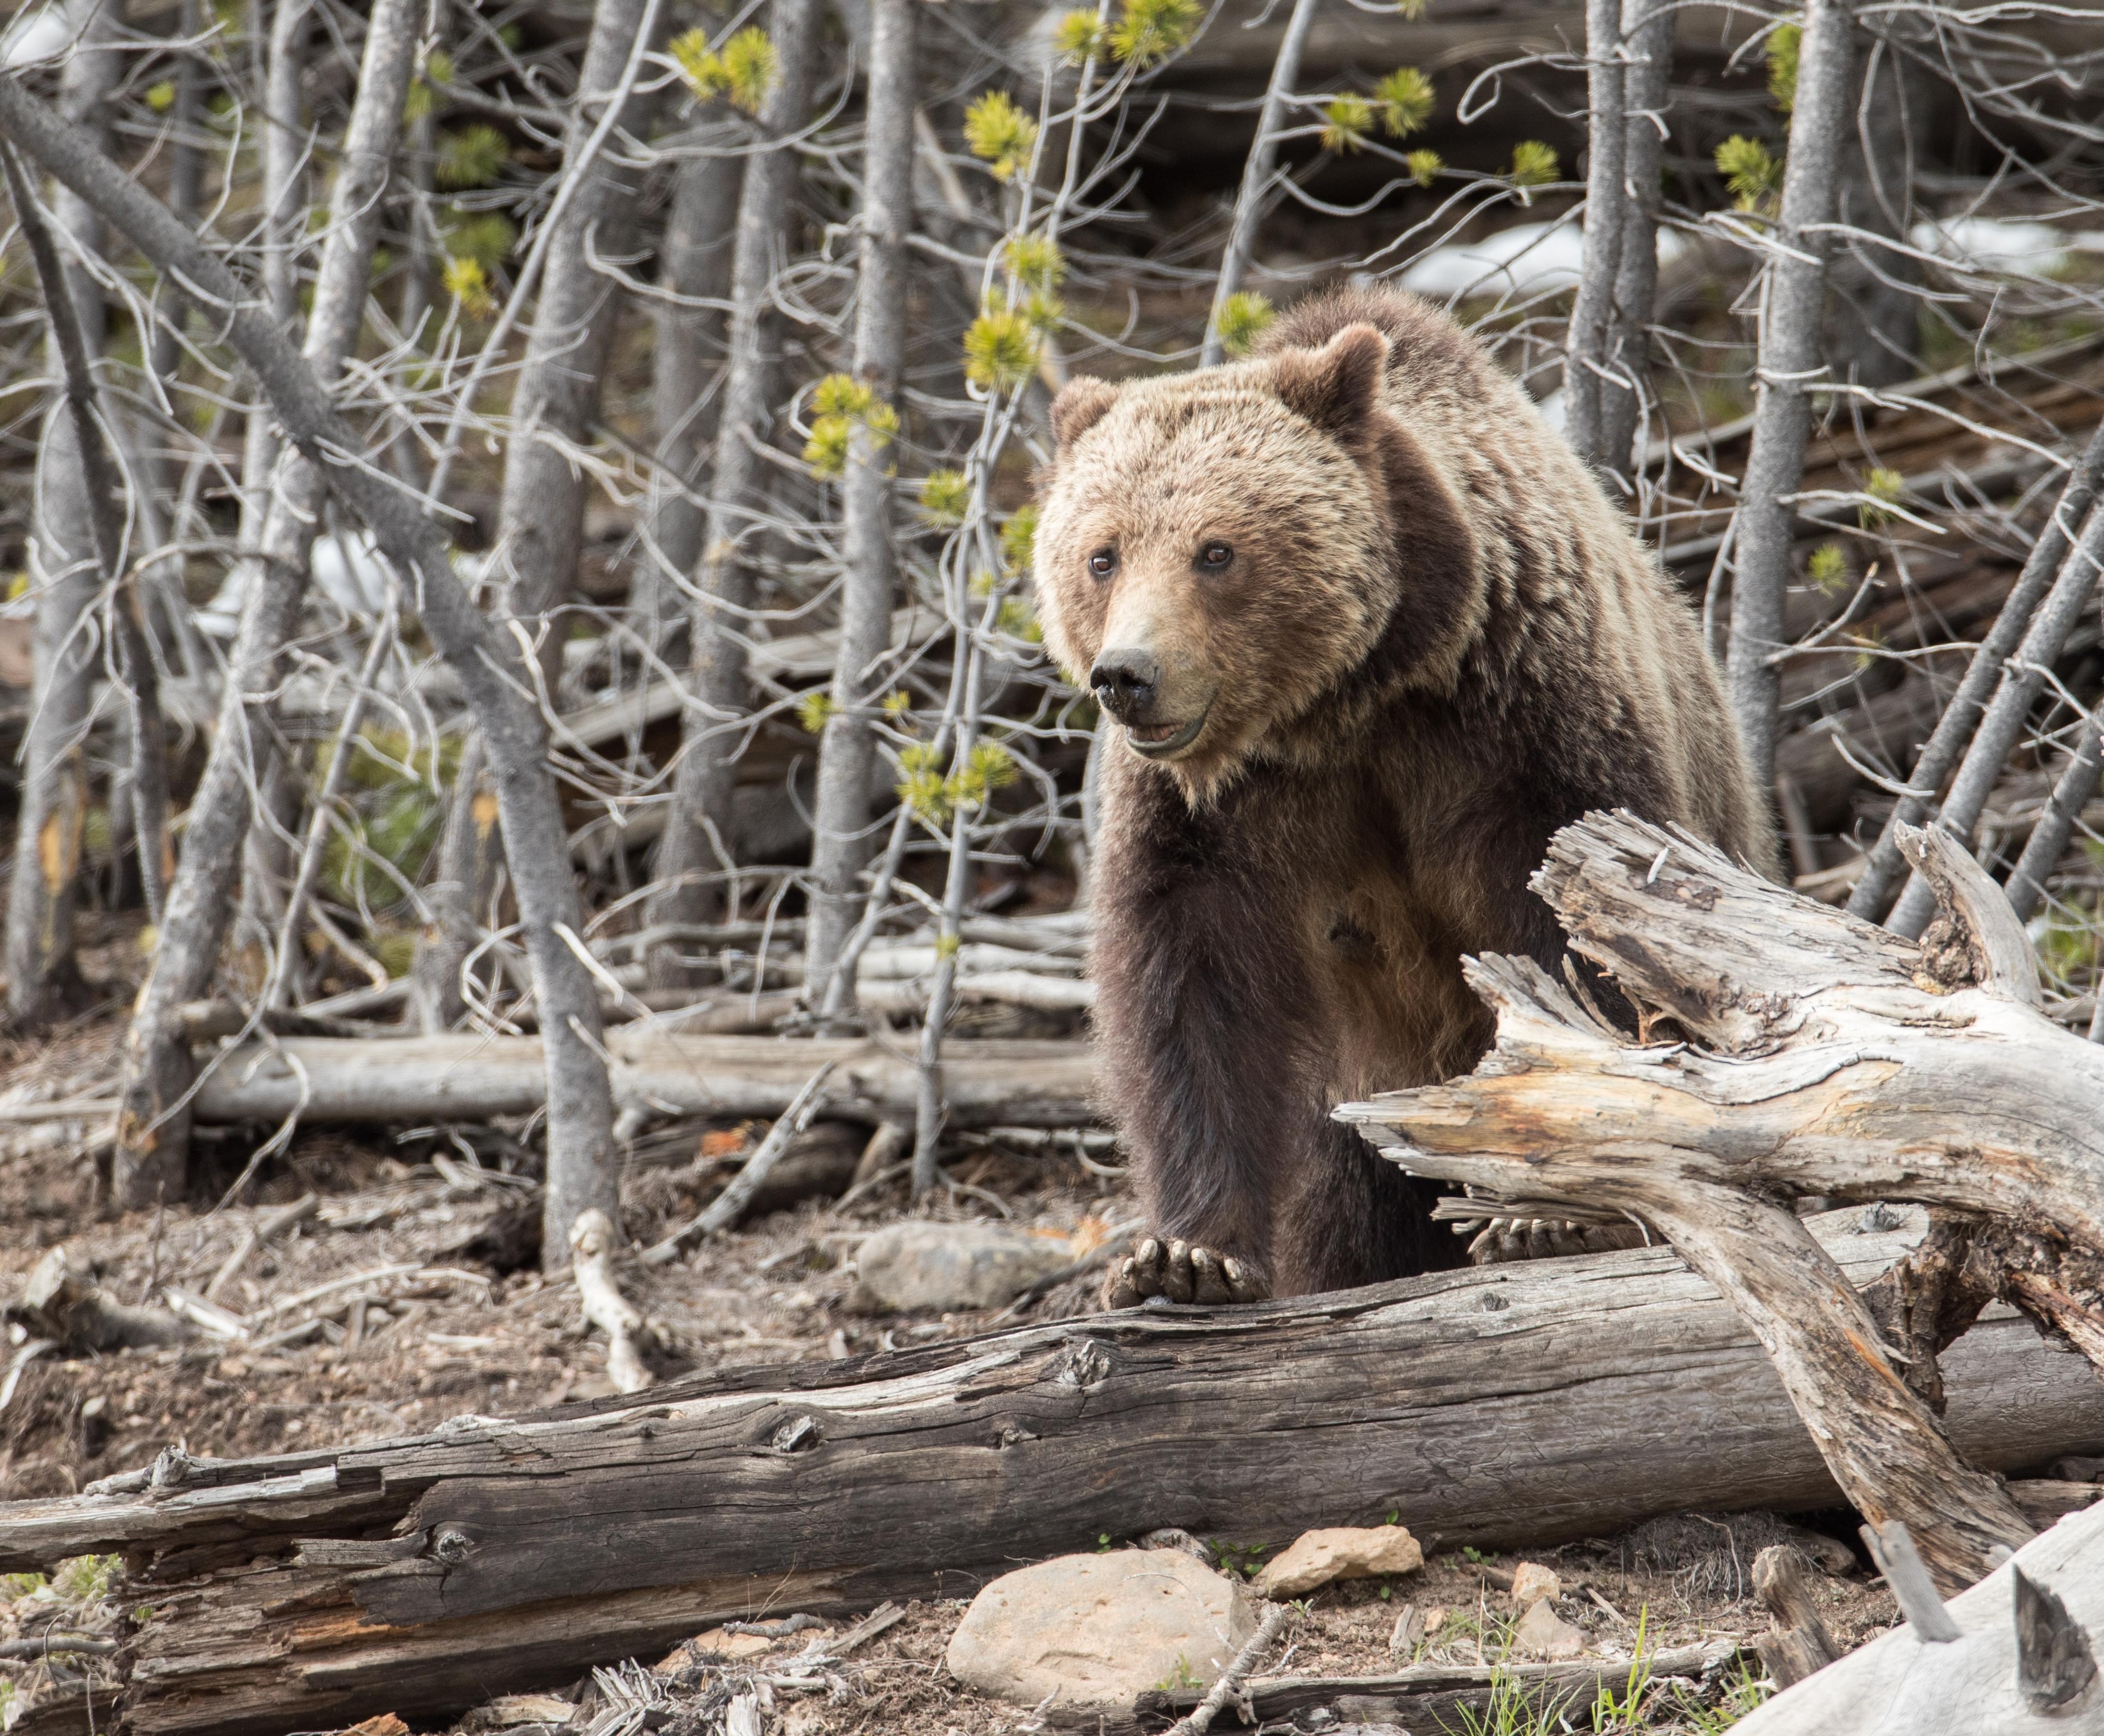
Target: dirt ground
x=409, y=1295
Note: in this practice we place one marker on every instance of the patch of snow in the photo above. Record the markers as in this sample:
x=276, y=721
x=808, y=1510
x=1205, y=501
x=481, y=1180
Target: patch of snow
x=2005, y=243
x=347, y=570
x=1527, y=259
x=44, y=34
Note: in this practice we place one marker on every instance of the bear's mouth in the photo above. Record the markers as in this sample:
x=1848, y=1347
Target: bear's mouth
x=1161, y=741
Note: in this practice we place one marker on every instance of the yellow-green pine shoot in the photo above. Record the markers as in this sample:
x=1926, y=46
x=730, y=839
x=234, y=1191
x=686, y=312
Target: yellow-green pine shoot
x=1884, y=487
x=1244, y=317
x=1406, y=100
x=161, y=97
x=999, y=134
x=1001, y=350
x=1151, y=30
x=944, y=496
x=744, y=69
x=814, y=709
x=897, y=703
x=1018, y=538
x=437, y=69
x=1347, y=120
x=1079, y=37
x=1827, y=568
x=1035, y=261
x=1019, y=620
x=920, y=784
x=1533, y=164
x=468, y=284
x=1423, y=166
x=471, y=158
x=989, y=767
x=487, y=238
x=1784, y=43
x=1748, y=170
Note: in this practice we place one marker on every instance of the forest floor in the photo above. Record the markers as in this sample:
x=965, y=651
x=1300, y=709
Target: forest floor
x=453, y=1316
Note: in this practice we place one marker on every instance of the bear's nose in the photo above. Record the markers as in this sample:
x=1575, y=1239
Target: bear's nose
x=1124, y=681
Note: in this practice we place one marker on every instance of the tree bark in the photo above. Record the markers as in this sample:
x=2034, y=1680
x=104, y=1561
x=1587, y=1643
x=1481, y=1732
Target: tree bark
x=580, y=1107
x=2048, y=840
x=1257, y=176
x=847, y=753
x=151, y=1145
x=2042, y=570
x=697, y=831
x=43, y=982
x=540, y=522
x=1833, y=1060
x=1793, y=300
x=1588, y=354
x=1494, y=1407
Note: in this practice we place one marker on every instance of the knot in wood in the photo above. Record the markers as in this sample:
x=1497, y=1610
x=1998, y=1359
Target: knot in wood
x=172, y=1469
x=800, y=1434
x=1492, y=1303
x=1080, y=1364
x=1949, y=959
x=450, y=1545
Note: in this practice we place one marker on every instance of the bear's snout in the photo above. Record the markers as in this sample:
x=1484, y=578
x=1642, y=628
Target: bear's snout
x=1126, y=681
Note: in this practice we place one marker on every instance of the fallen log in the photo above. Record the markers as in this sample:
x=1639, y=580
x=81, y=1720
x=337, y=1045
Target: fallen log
x=466, y=1077
x=2023, y=1661
x=1787, y=1049
x=1494, y=1406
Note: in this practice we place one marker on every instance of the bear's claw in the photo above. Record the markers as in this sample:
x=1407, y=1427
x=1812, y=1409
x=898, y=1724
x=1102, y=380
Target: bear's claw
x=1183, y=1272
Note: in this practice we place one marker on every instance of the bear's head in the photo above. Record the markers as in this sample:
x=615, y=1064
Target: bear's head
x=1229, y=557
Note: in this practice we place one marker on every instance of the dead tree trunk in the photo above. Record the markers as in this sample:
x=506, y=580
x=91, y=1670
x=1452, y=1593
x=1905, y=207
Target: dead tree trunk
x=696, y=839
x=152, y=1138
x=1793, y=300
x=43, y=980
x=847, y=753
x=1529, y=1402
x=1814, y=1055
x=539, y=523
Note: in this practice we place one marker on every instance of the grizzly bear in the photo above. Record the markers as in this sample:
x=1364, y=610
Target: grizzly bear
x=1370, y=633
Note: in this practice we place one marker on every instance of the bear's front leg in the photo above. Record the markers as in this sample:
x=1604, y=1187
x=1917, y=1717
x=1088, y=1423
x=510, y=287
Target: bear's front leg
x=1176, y=1269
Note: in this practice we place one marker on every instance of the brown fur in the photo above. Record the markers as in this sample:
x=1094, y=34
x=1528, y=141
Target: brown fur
x=1435, y=643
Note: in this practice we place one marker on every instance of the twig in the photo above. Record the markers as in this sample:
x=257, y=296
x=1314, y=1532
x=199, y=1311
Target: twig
x=591, y=1243
x=723, y=1211
x=1229, y=1687
x=261, y=1229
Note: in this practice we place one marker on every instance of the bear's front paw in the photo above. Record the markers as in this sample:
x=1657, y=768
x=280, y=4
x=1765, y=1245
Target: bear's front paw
x=1183, y=1272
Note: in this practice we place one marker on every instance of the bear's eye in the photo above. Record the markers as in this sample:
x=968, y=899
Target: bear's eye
x=1214, y=556
x=1103, y=562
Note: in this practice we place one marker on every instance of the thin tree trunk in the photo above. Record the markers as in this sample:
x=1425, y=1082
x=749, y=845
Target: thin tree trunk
x=540, y=523
x=1617, y=410
x=698, y=832
x=1954, y=728
x=284, y=154
x=2022, y=679
x=153, y=1133
x=580, y=1100
x=847, y=754
x=1792, y=303
x=42, y=979
x=2048, y=840
x=1249, y=203
x=1589, y=348
x=696, y=264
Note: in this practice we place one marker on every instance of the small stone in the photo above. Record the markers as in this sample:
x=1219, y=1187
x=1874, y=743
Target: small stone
x=918, y=1265
x=1341, y=1552
x=1531, y=1582
x=1169, y=1537
x=1542, y=1633
x=1408, y=1633
x=1096, y=1632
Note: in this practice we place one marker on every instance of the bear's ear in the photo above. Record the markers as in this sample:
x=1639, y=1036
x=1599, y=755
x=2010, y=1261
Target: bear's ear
x=1336, y=386
x=1080, y=406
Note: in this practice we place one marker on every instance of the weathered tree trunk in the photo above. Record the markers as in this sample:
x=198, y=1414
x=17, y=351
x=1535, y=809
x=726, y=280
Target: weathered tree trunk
x=847, y=753
x=464, y=1078
x=151, y=1145
x=1254, y=196
x=1498, y=1406
x=685, y=398
x=1834, y=1060
x=2048, y=840
x=2022, y=1666
x=540, y=523
x=2049, y=566
x=1793, y=301
x=697, y=831
x=284, y=151
x=42, y=979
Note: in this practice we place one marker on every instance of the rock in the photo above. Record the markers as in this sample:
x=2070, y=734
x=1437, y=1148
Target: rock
x=1542, y=1633
x=1531, y=1582
x=1169, y=1537
x=920, y=1264
x=1342, y=1552
x=1095, y=1631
